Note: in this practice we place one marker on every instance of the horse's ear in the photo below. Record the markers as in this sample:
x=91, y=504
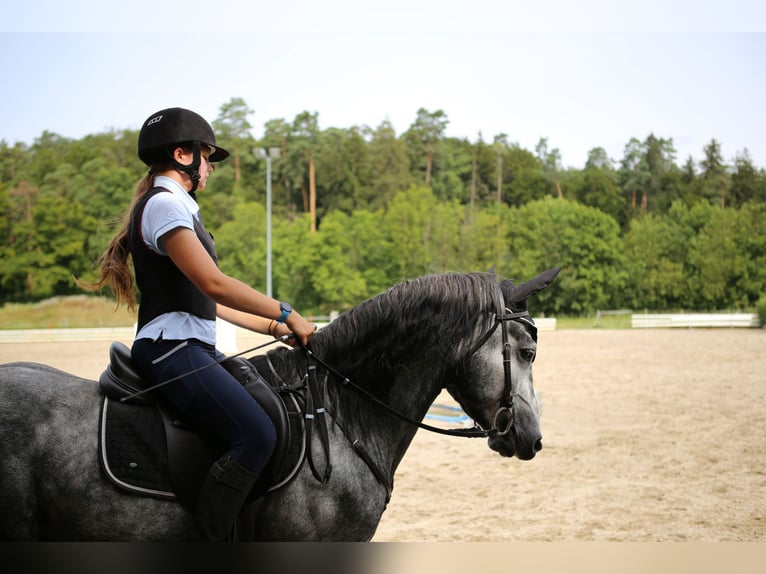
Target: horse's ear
x=492, y=270
x=522, y=292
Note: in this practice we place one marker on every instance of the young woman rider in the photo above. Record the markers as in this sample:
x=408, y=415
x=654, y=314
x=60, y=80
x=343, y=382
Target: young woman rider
x=182, y=292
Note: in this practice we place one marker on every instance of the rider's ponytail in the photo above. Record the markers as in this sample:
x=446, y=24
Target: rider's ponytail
x=115, y=269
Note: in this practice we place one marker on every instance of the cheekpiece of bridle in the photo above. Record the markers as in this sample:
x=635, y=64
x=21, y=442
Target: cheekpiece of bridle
x=506, y=409
x=502, y=422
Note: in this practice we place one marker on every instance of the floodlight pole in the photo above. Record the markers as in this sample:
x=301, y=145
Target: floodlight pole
x=272, y=153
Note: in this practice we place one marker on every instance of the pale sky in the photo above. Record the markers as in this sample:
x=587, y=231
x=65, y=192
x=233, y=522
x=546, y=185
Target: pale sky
x=585, y=74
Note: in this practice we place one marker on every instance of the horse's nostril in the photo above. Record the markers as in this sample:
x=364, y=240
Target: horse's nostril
x=538, y=445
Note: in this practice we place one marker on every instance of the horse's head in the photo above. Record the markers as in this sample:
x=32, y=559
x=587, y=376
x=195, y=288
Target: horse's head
x=496, y=388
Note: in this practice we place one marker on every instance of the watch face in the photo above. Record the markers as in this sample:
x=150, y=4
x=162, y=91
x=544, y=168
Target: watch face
x=286, y=307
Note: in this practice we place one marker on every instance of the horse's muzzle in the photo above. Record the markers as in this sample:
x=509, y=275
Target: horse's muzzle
x=511, y=444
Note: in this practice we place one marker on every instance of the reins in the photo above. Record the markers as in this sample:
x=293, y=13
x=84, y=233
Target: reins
x=281, y=339
x=345, y=381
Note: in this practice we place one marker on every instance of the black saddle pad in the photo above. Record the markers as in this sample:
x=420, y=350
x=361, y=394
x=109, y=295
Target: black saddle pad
x=133, y=448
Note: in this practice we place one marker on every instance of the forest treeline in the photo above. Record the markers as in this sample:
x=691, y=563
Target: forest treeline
x=358, y=209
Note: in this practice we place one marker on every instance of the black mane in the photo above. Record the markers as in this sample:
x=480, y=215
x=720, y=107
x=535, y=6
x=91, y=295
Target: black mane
x=433, y=318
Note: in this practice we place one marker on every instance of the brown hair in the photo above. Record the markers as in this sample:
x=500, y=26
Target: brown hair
x=115, y=271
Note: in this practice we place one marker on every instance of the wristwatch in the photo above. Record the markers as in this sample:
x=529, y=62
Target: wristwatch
x=286, y=309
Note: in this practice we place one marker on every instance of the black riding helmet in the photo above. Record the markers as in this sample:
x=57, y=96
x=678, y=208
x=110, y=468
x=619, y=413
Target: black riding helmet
x=169, y=128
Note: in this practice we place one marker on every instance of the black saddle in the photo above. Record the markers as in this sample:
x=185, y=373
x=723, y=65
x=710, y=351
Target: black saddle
x=145, y=448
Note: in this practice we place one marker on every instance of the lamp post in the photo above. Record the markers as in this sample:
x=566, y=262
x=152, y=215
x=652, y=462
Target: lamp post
x=268, y=155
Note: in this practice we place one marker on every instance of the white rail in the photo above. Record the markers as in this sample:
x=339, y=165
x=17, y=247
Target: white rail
x=693, y=320
x=57, y=335
x=545, y=323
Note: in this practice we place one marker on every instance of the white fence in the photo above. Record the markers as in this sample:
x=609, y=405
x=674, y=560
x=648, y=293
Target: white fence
x=693, y=320
x=545, y=323
x=226, y=335
x=58, y=335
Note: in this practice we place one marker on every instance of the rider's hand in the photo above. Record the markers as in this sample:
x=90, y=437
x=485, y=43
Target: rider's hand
x=301, y=328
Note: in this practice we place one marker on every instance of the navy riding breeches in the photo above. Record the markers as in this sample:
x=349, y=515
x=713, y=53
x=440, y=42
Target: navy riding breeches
x=211, y=398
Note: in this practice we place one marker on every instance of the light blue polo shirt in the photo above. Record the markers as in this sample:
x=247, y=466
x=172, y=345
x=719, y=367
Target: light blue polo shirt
x=163, y=213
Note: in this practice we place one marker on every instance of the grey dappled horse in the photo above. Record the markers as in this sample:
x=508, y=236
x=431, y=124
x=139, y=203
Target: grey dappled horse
x=401, y=347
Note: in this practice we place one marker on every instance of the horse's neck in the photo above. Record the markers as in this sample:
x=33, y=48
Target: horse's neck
x=408, y=386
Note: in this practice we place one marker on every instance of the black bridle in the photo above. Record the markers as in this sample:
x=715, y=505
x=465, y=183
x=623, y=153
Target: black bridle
x=503, y=315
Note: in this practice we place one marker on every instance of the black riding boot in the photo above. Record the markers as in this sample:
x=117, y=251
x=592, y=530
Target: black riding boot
x=224, y=492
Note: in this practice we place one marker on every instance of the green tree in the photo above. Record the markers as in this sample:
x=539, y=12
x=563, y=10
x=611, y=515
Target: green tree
x=13, y=161
x=301, y=147
x=389, y=167
x=423, y=231
x=6, y=252
x=690, y=183
x=551, y=163
x=751, y=230
x=717, y=260
x=529, y=184
x=714, y=175
x=455, y=179
x=424, y=136
x=15, y=274
x=47, y=250
x=582, y=240
x=217, y=201
x=294, y=260
x=337, y=283
x=655, y=251
x=598, y=187
x=233, y=128
x=343, y=166
x=485, y=240
x=63, y=181
x=486, y=173
x=372, y=251
x=599, y=159
x=48, y=151
x=550, y=159
x=241, y=245
x=747, y=183
x=634, y=172
x=277, y=134
x=523, y=177
x=660, y=155
x=499, y=144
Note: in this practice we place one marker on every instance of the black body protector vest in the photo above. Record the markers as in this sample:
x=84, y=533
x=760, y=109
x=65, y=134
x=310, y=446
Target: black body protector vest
x=163, y=288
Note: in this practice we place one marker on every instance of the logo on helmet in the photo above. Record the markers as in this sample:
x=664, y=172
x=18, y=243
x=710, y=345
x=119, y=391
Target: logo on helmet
x=154, y=120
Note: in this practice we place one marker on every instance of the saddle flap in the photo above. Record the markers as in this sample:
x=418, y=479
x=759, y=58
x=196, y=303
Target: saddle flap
x=271, y=402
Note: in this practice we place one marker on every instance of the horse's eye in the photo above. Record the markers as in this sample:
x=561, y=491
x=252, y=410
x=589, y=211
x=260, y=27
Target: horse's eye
x=527, y=354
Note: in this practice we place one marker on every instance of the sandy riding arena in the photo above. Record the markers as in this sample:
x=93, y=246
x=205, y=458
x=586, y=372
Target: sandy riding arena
x=649, y=435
